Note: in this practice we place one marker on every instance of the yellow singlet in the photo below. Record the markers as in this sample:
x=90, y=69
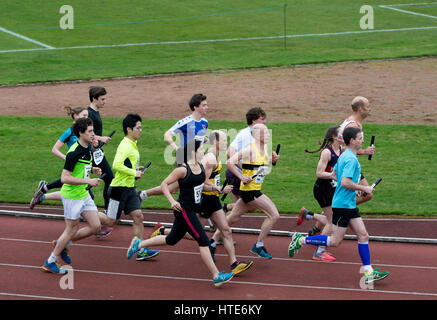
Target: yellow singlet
x=215, y=179
x=259, y=166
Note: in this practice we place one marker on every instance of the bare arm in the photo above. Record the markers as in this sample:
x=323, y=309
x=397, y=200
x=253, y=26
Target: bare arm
x=56, y=150
x=168, y=136
x=67, y=178
x=176, y=174
x=234, y=161
x=325, y=157
x=347, y=183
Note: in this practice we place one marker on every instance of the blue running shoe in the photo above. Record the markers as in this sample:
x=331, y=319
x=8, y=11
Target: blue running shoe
x=222, y=277
x=65, y=255
x=146, y=254
x=134, y=247
x=260, y=252
x=54, y=267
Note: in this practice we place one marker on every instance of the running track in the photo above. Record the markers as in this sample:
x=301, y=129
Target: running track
x=101, y=270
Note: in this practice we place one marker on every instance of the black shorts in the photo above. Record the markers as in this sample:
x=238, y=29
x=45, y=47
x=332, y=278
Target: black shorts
x=341, y=216
x=323, y=193
x=251, y=195
x=122, y=199
x=187, y=221
x=233, y=181
x=210, y=204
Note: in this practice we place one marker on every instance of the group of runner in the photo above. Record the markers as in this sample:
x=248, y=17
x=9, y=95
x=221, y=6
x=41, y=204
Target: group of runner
x=197, y=177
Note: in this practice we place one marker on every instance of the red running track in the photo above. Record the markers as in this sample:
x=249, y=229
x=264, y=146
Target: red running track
x=101, y=270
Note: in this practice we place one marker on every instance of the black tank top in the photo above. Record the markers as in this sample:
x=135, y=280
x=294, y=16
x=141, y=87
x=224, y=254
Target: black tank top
x=190, y=189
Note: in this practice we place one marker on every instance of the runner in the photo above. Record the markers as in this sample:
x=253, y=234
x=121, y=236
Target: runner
x=122, y=192
x=66, y=138
x=191, y=178
x=324, y=188
x=255, y=161
x=75, y=198
x=344, y=207
x=360, y=111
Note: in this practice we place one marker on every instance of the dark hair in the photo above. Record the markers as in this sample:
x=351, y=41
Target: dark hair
x=196, y=100
x=350, y=133
x=329, y=138
x=80, y=126
x=215, y=136
x=357, y=104
x=74, y=111
x=254, y=114
x=96, y=92
x=130, y=121
x=183, y=154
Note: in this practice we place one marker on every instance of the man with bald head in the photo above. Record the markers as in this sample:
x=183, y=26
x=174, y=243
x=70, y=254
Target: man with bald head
x=360, y=110
x=256, y=164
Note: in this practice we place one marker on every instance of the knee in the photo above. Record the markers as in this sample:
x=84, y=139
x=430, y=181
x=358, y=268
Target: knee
x=227, y=233
x=275, y=217
x=137, y=216
x=363, y=237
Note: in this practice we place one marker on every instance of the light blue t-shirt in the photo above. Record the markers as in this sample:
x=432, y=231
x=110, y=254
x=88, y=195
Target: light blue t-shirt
x=346, y=166
x=68, y=137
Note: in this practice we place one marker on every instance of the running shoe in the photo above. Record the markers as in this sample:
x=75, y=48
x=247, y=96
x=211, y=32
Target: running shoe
x=222, y=278
x=104, y=232
x=240, y=266
x=65, y=255
x=302, y=216
x=141, y=195
x=157, y=230
x=375, y=275
x=260, y=252
x=295, y=244
x=54, y=267
x=134, y=247
x=38, y=193
x=323, y=257
x=146, y=254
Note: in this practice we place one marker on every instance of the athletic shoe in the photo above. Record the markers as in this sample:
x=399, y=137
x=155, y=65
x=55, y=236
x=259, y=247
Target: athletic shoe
x=240, y=266
x=295, y=244
x=323, y=257
x=302, y=216
x=104, y=231
x=134, y=247
x=141, y=195
x=38, y=193
x=375, y=275
x=146, y=254
x=260, y=252
x=222, y=277
x=64, y=254
x=54, y=267
x=158, y=227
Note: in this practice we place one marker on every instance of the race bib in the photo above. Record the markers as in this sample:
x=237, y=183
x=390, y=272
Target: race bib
x=87, y=172
x=217, y=180
x=261, y=174
x=98, y=156
x=198, y=193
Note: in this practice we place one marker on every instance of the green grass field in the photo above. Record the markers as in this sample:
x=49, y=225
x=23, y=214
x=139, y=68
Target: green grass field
x=405, y=159
x=112, y=38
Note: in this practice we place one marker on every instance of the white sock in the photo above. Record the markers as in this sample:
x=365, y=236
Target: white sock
x=367, y=269
x=259, y=244
x=52, y=258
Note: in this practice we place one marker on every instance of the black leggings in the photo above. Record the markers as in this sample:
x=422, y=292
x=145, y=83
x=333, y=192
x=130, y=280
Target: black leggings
x=187, y=221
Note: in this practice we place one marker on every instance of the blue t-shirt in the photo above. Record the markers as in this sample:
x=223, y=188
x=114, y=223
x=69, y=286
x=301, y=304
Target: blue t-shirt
x=68, y=137
x=346, y=166
x=188, y=129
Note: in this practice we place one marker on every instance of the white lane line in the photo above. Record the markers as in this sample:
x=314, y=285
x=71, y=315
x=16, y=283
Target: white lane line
x=26, y=38
x=265, y=284
x=224, y=40
x=221, y=254
x=32, y=296
x=408, y=12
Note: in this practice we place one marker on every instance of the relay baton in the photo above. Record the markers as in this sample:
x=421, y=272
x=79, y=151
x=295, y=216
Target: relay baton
x=89, y=187
x=372, y=142
x=373, y=185
x=145, y=168
x=278, y=147
x=101, y=143
x=223, y=187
